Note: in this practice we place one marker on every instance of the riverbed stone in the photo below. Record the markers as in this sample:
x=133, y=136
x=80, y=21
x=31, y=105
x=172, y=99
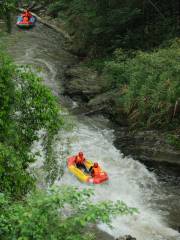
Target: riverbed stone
x=81, y=80
x=126, y=237
x=150, y=145
x=77, y=82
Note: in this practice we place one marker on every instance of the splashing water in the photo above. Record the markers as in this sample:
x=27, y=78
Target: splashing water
x=129, y=181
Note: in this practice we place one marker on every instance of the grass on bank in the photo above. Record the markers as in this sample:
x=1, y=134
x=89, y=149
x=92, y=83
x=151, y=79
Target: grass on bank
x=149, y=85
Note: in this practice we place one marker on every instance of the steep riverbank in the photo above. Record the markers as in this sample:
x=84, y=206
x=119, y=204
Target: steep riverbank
x=86, y=86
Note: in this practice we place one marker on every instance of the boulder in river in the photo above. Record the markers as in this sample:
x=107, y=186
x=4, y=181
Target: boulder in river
x=126, y=237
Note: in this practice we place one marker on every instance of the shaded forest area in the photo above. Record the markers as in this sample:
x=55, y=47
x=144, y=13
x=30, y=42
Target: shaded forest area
x=99, y=27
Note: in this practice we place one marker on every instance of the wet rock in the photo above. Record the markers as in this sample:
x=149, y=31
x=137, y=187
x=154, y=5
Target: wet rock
x=84, y=84
x=82, y=81
x=103, y=102
x=126, y=237
x=147, y=146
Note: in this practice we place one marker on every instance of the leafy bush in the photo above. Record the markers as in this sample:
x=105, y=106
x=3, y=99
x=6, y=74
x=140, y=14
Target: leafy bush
x=173, y=140
x=56, y=214
x=37, y=107
x=6, y=8
x=15, y=180
x=7, y=96
x=26, y=106
x=149, y=83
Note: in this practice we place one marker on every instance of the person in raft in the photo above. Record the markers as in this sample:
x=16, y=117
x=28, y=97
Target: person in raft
x=25, y=19
x=80, y=162
x=27, y=14
x=95, y=170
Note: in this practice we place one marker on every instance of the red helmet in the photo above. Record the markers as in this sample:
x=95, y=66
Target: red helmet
x=96, y=165
x=81, y=154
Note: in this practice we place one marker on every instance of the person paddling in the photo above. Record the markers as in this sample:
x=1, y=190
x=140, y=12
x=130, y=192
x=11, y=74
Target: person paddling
x=95, y=170
x=27, y=14
x=25, y=19
x=80, y=162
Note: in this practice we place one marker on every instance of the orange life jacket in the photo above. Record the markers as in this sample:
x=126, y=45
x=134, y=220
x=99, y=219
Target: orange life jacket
x=96, y=171
x=25, y=19
x=79, y=160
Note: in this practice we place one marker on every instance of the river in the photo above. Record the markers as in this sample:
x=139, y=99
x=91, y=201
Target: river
x=130, y=180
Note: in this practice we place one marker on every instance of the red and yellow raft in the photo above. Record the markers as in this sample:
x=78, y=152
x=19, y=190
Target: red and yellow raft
x=84, y=177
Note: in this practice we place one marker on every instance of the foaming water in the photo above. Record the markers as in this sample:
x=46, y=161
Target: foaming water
x=129, y=181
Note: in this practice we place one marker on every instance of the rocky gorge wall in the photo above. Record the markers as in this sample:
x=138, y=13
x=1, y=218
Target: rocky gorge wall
x=89, y=89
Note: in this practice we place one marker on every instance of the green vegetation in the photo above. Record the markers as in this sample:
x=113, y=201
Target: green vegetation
x=57, y=214
x=99, y=27
x=6, y=8
x=173, y=140
x=149, y=85
x=26, y=106
x=94, y=23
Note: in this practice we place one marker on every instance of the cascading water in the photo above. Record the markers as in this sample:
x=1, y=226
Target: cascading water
x=130, y=181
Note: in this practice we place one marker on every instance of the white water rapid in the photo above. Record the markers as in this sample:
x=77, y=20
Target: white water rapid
x=129, y=181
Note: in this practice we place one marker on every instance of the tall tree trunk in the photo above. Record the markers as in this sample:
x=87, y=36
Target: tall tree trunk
x=178, y=16
x=8, y=20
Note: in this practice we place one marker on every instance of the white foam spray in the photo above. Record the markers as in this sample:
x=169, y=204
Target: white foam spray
x=129, y=181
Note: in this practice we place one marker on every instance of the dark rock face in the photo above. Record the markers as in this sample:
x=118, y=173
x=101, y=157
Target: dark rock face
x=85, y=85
x=82, y=81
x=126, y=237
x=146, y=146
